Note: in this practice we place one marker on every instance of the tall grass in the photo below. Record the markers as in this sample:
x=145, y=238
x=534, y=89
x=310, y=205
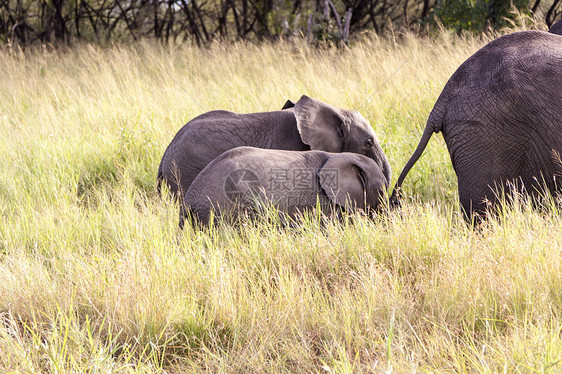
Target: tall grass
x=95, y=276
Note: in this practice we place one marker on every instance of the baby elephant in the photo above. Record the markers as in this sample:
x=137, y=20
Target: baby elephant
x=309, y=124
x=244, y=178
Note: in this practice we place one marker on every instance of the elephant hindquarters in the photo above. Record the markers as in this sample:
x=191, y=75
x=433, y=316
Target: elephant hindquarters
x=492, y=168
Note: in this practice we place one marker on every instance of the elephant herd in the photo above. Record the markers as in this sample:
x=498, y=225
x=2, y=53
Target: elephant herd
x=500, y=114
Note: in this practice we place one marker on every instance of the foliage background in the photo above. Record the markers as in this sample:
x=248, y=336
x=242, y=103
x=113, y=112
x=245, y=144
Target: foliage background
x=202, y=21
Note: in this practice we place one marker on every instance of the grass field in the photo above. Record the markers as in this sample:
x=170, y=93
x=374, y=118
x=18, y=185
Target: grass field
x=96, y=277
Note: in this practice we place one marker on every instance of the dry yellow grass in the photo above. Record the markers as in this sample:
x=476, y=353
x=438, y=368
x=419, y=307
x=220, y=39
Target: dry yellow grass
x=95, y=276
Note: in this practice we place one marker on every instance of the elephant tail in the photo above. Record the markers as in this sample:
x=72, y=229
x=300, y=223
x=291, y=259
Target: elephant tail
x=434, y=124
x=182, y=216
x=159, y=179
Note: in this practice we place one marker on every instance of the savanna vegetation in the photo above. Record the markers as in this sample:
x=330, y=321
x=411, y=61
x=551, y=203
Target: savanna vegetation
x=96, y=277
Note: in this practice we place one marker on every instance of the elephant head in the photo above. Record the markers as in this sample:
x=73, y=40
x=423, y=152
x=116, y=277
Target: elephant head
x=326, y=128
x=351, y=180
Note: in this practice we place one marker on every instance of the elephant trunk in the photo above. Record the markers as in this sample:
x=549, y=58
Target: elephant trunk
x=378, y=155
x=386, y=170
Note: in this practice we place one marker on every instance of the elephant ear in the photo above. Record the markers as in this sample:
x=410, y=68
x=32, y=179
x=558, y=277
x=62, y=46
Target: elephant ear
x=556, y=28
x=320, y=125
x=343, y=180
x=288, y=104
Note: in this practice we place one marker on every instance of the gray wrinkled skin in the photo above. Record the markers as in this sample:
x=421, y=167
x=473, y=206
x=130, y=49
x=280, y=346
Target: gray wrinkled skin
x=501, y=118
x=310, y=124
x=243, y=179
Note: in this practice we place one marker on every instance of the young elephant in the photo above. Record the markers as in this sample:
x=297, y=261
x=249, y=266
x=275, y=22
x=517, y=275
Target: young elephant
x=245, y=178
x=310, y=124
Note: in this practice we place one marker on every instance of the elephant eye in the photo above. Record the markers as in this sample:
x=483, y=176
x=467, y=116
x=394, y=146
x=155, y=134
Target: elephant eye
x=369, y=143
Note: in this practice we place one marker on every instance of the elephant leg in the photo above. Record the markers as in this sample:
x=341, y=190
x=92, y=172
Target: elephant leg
x=475, y=198
x=491, y=163
x=485, y=189
x=485, y=178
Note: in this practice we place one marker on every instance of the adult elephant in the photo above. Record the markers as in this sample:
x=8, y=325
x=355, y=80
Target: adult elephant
x=245, y=179
x=501, y=118
x=309, y=125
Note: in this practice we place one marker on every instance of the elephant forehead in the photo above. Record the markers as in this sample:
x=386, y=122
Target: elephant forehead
x=358, y=122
